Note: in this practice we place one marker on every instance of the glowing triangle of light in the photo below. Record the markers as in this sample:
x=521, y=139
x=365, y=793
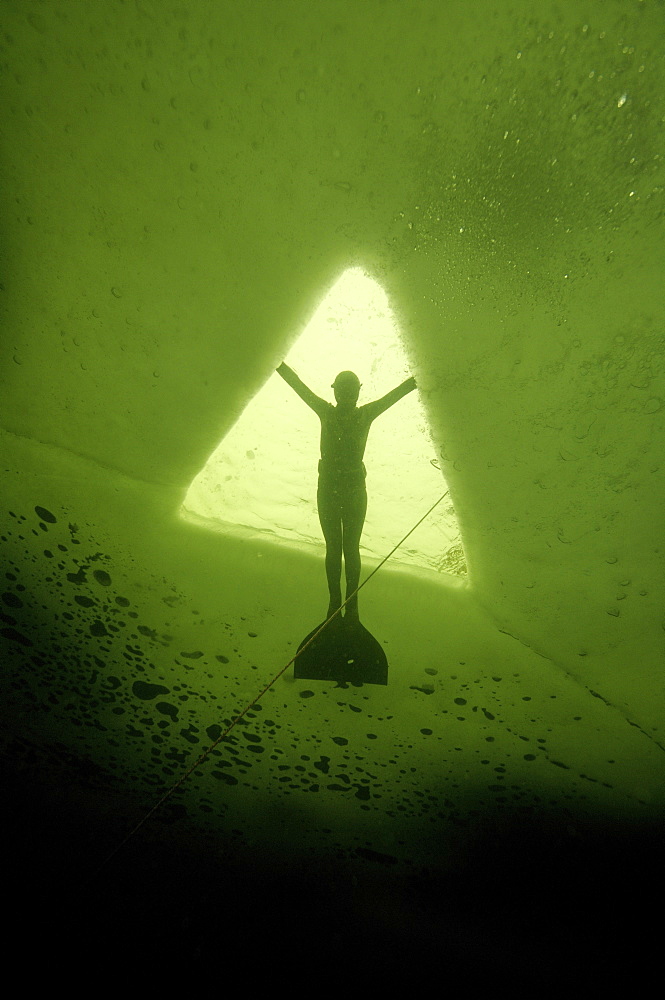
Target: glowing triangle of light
x=261, y=479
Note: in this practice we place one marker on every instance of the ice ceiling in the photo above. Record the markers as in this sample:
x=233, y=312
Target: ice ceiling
x=181, y=184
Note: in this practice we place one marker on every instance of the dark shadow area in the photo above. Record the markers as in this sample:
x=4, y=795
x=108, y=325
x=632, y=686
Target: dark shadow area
x=535, y=887
x=546, y=900
x=345, y=652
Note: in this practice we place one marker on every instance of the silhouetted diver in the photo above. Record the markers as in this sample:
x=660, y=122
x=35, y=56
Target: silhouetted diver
x=341, y=495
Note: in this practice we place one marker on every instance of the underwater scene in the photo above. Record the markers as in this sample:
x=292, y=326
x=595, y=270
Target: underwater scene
x=332, y=396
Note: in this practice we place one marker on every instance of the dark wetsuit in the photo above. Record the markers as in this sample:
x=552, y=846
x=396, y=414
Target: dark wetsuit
x=341, y=495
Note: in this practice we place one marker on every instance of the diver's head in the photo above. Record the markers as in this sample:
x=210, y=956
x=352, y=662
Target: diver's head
x=347, y=388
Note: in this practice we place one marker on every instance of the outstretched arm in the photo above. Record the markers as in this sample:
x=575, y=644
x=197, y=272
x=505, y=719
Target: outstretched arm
x=381, y=405
x=305, y=393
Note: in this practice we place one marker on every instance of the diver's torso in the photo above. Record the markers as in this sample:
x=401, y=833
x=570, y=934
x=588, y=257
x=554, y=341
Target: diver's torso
x=343, y=439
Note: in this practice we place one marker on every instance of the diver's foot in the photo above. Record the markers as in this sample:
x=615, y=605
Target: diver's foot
x=351, y=615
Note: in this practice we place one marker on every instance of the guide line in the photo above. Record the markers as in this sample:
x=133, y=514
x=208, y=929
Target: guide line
x=206, y=753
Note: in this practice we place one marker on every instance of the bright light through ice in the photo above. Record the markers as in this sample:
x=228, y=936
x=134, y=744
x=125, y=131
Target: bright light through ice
x=262, y=478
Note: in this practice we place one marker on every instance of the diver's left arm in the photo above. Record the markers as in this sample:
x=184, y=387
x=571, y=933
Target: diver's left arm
x=315, y=402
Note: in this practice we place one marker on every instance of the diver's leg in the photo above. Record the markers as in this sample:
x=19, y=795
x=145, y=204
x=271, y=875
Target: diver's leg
x=331, y=525
x=353, y=520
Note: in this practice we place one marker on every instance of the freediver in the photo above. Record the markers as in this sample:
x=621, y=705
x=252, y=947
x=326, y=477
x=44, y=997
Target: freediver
x=341, y=493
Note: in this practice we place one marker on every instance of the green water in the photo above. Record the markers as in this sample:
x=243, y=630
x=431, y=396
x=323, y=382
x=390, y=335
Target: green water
x=181, y=184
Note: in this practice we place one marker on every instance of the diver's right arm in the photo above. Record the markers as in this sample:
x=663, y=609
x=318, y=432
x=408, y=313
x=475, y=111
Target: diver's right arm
x=305, y=393
x=381, y=405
